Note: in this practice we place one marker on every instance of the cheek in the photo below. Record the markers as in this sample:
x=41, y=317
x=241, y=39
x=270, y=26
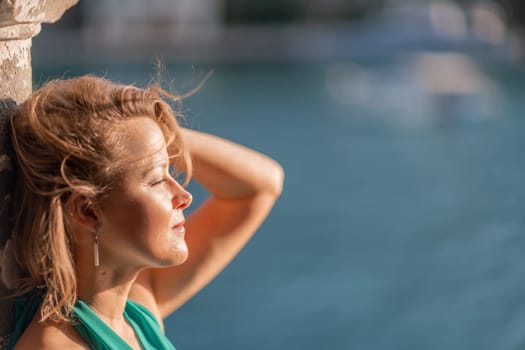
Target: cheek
x=153, y=217
x=142, y=218
x=161, y=210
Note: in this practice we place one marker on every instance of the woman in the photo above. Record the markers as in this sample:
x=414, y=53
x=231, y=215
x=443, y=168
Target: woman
x=102, y=250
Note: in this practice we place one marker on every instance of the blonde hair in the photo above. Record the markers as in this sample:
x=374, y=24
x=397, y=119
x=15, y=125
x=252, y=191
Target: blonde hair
x=65, y=138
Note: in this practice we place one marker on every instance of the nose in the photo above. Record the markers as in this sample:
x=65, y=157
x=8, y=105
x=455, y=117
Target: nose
x=181, y=199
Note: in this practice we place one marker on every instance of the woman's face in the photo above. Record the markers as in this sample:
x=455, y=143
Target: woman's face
x=141, y=220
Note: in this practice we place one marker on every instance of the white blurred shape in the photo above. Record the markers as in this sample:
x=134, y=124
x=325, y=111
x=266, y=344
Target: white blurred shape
x=423, y=90
x=458, y=88
x=447, y=73
x=448, y=19
x=488, y=22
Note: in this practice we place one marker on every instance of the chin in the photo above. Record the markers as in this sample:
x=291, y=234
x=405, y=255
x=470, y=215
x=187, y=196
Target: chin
x=180, y=258
x=175, y=257
x=170, y=252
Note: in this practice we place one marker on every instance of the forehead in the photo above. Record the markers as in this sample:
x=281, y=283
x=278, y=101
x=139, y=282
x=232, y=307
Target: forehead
x=141, y=143
x=140, y=135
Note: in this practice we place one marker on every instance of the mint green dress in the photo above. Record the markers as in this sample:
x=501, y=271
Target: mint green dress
x=95, y=332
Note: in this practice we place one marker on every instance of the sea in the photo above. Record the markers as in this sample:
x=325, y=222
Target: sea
x=402, y=220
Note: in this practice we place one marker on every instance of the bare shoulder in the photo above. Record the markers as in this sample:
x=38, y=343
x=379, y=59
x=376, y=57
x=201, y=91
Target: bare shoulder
x=50, y=335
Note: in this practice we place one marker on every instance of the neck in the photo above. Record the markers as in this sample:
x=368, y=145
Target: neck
x=105, y=291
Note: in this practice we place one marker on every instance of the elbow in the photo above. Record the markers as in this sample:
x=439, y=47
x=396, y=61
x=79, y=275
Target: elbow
x=276, y=180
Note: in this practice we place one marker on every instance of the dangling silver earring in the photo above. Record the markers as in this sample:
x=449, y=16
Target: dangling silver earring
x=95, y=248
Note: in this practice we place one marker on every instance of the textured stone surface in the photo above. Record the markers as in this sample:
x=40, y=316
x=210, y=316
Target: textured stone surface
x=28, y=11
x=19, y=22
x=19, y=31
x=15, y=69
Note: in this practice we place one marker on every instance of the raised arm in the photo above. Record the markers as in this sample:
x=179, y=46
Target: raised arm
x=243, y=186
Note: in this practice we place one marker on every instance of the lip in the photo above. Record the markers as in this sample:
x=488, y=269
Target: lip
x=179, y=225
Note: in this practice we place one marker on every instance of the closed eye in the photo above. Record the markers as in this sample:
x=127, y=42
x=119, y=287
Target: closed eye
x=158, y=182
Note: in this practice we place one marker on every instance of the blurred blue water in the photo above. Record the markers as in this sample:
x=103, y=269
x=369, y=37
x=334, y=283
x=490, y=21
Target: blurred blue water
x=390, y=234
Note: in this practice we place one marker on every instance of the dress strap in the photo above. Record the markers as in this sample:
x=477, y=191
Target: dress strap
x=95, y=332
x=100, y=336
x=147, y=327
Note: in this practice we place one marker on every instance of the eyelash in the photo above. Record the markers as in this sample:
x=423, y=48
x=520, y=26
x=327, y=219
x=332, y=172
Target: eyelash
x=171, y=173
x=158, y=182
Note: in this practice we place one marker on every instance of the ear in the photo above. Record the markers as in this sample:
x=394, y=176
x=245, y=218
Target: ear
x=82, y=211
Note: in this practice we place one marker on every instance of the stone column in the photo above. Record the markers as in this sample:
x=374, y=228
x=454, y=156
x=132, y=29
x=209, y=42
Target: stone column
x=20, y=20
